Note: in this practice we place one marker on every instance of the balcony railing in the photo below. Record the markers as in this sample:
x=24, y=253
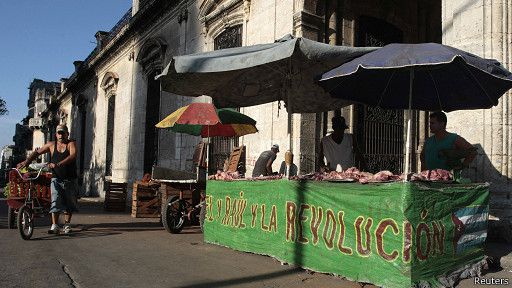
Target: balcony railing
x=120, y=24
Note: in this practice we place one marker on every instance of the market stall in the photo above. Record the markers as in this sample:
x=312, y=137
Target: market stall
x=397, y=234
x=390, y=234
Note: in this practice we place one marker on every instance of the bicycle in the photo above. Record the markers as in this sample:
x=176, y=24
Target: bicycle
x=29, y=206
x=179, y=211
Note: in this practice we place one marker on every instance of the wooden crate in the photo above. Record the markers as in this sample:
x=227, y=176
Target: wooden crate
x=168, y=190
x=146, y=201
x=115, y=196
x=236, y=159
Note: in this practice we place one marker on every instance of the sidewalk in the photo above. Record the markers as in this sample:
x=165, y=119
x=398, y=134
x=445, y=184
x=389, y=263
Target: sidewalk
x=114, y=249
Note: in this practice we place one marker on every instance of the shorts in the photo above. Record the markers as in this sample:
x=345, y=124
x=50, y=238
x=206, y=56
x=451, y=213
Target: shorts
x=64, y=196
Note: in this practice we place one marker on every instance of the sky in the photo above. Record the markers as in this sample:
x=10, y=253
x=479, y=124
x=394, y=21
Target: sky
x=41, y=39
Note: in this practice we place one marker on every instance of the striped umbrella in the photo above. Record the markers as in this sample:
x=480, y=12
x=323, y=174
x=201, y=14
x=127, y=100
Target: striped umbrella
x=203, y=119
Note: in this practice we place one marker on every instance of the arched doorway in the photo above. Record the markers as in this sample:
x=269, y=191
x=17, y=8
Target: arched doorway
x=151, y=58
x=221, y=147
x=380, y=133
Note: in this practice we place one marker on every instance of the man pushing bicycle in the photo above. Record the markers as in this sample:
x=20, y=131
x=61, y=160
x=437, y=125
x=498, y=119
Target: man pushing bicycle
x=64, y=177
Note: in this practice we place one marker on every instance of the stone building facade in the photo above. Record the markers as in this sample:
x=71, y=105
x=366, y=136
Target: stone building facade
x=41, y=96
x=6, y=163
x=485, y=29
x=114, y=100
x=35, y=129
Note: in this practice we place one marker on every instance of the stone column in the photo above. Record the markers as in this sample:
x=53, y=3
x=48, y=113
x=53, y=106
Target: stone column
x=484, y=28
x=306, y=126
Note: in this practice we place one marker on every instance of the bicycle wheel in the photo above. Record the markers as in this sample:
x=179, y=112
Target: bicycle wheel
x=11, y=218
x=25, y=222
x=172, y=216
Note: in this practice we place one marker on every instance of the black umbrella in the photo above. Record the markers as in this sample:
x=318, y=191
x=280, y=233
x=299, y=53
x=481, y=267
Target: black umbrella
x=425, y=76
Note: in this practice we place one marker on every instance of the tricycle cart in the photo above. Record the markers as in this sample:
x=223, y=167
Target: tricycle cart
x=29, y=197
x=182, y=203
x=182, y=193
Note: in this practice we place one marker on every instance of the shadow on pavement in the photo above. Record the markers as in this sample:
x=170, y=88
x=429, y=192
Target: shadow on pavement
x=76, y=234
x=191, y=230
x=242, y=280
x=102, y=229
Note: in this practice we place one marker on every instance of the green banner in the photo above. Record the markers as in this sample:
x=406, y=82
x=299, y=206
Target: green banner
x=389, y=234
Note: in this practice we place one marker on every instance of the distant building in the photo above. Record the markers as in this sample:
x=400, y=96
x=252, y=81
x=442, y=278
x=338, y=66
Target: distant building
x=5, y=163
x=6, y=155
x=36, y=128
x=41, y=95
x=22, y=141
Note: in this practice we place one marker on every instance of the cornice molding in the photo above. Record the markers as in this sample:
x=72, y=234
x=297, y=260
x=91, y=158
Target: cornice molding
x=152, y=13
x=151, y=55
x=307, y=19
x=206, y=13
x=230, y=20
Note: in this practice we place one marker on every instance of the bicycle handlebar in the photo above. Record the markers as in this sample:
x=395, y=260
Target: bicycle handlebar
x=30, y=179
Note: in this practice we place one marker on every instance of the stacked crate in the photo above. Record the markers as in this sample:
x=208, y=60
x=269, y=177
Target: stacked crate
x=146, y=201
x=115, y=196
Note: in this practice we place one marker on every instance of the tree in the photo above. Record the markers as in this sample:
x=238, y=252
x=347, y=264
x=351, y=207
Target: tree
x=3, y=107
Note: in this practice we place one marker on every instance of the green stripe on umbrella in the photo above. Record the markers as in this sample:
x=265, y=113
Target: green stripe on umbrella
x=233, y=123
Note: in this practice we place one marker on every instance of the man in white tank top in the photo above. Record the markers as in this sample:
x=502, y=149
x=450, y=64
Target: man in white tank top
x=337, y=149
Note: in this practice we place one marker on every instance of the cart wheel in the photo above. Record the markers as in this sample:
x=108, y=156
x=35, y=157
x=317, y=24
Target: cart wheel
x=25, y=222
x=202, y=215
x=11, y=218
x=172, y=216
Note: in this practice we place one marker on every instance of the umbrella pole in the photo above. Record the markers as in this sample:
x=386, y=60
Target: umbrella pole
x=409, y=128
x=207, y=151
x=290, y=121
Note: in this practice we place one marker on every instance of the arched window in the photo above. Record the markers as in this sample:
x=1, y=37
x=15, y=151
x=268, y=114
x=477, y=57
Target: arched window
x=218, y=17
x=109, y=85
x=152, y=55
x=231, y=37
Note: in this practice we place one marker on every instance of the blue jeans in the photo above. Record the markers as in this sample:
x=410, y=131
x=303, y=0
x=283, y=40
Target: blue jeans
x=64, y=195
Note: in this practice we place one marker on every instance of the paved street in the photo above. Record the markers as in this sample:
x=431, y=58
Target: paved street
x=115, y=250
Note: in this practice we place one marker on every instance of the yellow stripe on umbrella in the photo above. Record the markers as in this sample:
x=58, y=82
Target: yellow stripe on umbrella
x=170, y=120
x=244, y=129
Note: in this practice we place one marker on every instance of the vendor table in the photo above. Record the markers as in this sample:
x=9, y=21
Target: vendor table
x=398, y=234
